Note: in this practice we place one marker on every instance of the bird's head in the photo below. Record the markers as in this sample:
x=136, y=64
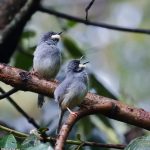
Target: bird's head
x=51, y=37
x=76, y=66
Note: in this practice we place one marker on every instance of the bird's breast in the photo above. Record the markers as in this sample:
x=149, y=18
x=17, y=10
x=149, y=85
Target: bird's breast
x=47, y=64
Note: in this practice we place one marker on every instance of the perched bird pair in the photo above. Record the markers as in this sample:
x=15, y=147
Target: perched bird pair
x=46, y=62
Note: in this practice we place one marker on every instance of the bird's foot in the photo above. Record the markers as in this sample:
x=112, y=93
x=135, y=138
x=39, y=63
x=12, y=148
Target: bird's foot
x=72, y=113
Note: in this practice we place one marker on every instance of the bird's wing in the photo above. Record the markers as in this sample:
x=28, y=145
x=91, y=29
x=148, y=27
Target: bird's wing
x=74, y=94
x=61, y=90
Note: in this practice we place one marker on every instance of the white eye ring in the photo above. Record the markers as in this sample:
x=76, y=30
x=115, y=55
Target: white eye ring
x=56, y=36
x=82, y=65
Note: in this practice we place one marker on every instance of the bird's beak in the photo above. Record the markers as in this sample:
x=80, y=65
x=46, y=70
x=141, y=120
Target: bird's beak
x=60, y=33
x=56, y=36
x=82, y=57
x=83, y=65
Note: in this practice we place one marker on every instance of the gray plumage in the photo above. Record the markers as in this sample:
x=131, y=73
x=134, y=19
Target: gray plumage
x=47, y=59
x=71, y=92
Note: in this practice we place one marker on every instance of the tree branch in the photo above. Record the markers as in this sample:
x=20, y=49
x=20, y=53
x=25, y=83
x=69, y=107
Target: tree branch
x=93, y=103
x=86, y=22
x=10, y=35
x=7, y=94
x=17, y=133
x=87, y=9
x=108, y=107
x=24, y=80
x=72, y=142
x=21, y=15
x=7, y=14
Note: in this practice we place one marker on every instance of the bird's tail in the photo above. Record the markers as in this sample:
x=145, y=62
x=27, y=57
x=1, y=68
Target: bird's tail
x=40, y=100
x=60, y=121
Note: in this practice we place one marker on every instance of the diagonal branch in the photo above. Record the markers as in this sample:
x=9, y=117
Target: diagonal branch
x=112, y=109
x=24, y=80
x=7, y=94
x=97, y=24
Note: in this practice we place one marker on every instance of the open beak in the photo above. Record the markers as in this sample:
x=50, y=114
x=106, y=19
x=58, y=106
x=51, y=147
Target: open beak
x=81, y=57
x=83, y=65
x=60, y=33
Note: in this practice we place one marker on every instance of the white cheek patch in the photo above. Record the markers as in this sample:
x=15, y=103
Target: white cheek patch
x=82, y=65
x=56, y=36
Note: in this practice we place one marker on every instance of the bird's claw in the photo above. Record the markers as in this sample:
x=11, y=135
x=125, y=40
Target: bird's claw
x=73, y=113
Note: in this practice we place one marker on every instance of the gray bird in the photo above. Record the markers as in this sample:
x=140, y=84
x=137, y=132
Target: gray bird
x=47, y=59
x=71, y=92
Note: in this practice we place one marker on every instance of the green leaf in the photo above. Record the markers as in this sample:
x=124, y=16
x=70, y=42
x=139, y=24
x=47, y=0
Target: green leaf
x=71, y=24
x=28, y=34
x=141, y=143
x=78, y=136
x=8, y=141
x=22, y=61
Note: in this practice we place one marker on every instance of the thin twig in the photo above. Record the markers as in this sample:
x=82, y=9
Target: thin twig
x=95, y=144
x=17, y=133
x=72, y=142
x=87, y=8
x=19, y=17
x=20, y=110
x=103, y=25
x=6, y=94
x=79, y=146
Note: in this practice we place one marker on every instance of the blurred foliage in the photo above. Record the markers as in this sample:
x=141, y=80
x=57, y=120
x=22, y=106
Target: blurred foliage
x=23, y=61
x=28, y=34
x=30, y=143
x=23, y=57
x=70, y=24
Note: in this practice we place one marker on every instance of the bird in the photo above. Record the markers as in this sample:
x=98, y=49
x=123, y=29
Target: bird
x=47, y=59
x=71, y=92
